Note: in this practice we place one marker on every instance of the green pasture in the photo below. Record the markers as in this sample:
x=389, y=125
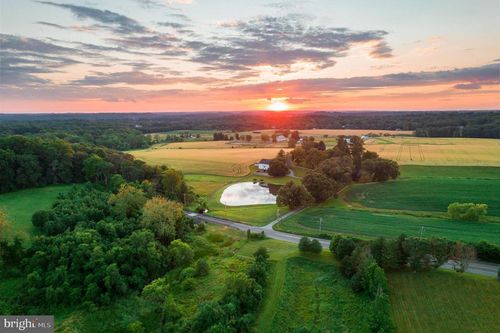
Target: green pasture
x=442, y=301
x=368, y=224
x=21, y=205
x=427, y=194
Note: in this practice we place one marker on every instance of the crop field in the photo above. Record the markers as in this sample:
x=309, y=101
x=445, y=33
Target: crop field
x=427, y=194
x=443, y=301
x=21, y=205
x=211, y=161
x=367, y=224
x=437, y=151
x=315, y=295
x=423, y=171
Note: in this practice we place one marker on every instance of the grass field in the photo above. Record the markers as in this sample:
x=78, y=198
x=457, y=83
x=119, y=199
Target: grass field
x=366, y=224
x=315, y=295
x=210, y=161
x=427, y=194
x=418, y=171
x=443, y=301
x=437, y=151
x=22, y=204
x=257, y=215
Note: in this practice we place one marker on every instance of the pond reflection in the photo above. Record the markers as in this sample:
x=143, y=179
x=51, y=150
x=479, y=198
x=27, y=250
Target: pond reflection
x=247, y=193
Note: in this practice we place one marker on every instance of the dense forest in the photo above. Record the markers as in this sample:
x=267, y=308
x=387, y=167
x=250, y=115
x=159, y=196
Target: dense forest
x=125, y=131
x=117, y=233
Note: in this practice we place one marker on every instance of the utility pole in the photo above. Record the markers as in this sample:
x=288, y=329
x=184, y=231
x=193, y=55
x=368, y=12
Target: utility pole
x=320, y=223
x=421, y=231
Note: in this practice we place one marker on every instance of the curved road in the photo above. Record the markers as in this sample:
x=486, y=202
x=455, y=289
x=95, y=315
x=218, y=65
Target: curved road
x=475, y=267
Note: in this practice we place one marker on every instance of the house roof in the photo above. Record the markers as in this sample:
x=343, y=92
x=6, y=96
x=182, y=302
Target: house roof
x=265, y=161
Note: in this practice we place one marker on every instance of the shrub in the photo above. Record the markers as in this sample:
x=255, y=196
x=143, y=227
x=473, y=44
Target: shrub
x=304, y=244
x=467, y=211
x=39, y=218
x=203, y=247
x=187, y=272
x=308, y=245
x=188, y=284
x=488, y=252
x=255, y=235
x=202, y=267
x=344, y=248
x=215, y=237
x=315, y=247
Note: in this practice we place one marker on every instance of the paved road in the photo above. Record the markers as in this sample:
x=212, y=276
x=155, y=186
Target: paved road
x=475, y=267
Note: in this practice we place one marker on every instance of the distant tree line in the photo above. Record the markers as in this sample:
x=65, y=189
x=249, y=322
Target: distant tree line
x=481, y=124
x=116, y=134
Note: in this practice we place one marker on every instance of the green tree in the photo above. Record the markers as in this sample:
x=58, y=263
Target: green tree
x=467, y=211
x=344, y=248
x=315, y=247
x=304, y=244
x=96, y=169
x=180, y=254
x=319, y=186
x=357, y=149
x=128, y=202
x=202, y=267
x=173, y=185
x=293, y=196
x=157, y=293
x=278, y=168
x=339, y=169
x=162, y=217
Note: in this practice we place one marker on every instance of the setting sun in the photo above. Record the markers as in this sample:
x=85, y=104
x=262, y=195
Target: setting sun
x=277, y=106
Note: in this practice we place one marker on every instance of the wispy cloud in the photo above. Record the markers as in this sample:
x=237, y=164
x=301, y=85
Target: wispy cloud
x=117, y=22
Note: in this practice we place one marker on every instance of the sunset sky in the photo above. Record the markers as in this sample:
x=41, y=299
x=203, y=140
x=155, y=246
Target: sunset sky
x=221, y=55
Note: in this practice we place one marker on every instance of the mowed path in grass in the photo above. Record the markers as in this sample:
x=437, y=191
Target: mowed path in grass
x=442, y=301
x=21, y=205
x=313, y=293
x=437, y=151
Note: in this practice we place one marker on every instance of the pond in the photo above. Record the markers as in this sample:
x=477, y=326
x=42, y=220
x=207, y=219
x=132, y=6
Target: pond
x=247, y=193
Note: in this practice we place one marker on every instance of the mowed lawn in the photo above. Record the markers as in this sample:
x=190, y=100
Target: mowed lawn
x=427, y=194
x=210, y=161
x=367, y=224
x=313, y=294
x=21, y=205
x=437, y=151
x=442, y=301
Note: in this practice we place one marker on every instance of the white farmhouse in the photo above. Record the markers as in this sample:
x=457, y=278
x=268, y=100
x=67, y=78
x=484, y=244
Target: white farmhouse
x=280, y=138
x=263, y=164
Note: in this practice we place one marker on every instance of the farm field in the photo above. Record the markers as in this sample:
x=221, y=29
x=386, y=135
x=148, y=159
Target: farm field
x=368, y=224
x=315, y=295
x=437, y=151
x=21, y=205
x=435, y=171
x=211, y=161
x=442, y=301
x=427, y=194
